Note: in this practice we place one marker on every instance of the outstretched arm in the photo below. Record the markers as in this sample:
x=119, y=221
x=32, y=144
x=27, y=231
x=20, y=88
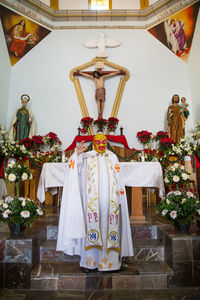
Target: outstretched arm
x=113, y=74
x=84, y=74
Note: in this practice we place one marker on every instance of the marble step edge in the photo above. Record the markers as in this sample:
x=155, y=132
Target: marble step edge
x=53, y=269
x=138, y=232
x=147, y=243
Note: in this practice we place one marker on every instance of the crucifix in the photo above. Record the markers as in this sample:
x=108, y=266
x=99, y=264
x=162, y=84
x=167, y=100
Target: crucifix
x=99, y=76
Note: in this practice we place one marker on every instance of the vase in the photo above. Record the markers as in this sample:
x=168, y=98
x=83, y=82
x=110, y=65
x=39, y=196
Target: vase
x=16, y=229
x=182, y=228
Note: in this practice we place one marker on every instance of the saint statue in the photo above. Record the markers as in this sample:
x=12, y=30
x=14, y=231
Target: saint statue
x=22, y=125
x=175, y=120
x=94, y=220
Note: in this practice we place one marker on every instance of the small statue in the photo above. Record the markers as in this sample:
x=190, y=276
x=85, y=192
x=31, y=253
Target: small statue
x=22, y=125
x=175, y=124
x=184, y=108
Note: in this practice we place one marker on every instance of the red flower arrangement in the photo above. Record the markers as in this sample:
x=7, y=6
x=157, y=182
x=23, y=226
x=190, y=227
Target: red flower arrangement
x=86, y=122
x=166, y=143
x=144, y=137
x=101, y=124
x=160, y=135
x=34, y=143
x=51, y=139
x=112, y=123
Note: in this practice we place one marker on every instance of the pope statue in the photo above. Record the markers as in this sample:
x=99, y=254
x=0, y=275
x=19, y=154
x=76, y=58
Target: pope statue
x=94, y=220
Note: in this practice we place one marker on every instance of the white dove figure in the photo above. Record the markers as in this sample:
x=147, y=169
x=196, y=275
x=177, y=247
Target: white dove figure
x=101, y=43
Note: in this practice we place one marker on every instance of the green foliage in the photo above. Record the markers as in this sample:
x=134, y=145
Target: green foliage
x=19, y=210
x=179, y=207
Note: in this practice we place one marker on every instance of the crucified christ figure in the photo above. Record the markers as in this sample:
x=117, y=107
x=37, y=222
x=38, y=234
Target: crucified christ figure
x=100, y=92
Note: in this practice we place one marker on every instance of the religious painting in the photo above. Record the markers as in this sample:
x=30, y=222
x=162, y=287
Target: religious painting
x=176, y=32
x=21, y=34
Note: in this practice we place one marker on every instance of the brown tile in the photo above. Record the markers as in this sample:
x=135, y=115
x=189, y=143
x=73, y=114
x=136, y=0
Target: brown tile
x=182, y=250
x=44, y=282
x=66, y=282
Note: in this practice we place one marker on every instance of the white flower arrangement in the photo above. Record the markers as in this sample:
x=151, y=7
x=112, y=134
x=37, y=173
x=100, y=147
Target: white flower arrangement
x=176, y=176
x=181, y=207
x=13, y=149
x=19, y=210
x=16, y=172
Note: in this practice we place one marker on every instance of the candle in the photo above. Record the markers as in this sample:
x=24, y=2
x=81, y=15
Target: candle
x=142, y=157
x=63, y=156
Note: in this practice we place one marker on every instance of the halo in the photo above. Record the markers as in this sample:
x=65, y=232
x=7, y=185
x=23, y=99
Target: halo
x=25, y=96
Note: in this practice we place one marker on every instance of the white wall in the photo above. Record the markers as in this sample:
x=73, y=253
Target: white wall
x=194, y=72
x=156, y=74
x=5, y=71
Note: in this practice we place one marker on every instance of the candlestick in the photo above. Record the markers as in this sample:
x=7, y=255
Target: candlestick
x=121, y=131
x=79, y=130
x=63, y=156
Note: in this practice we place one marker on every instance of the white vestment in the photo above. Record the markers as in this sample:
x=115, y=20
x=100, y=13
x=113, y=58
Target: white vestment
x=72, y=233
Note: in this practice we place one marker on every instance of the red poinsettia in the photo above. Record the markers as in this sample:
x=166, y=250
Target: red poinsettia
x=28, y=143
x=101, y=124
x=160, y=135
x=165, y=143
x=51, y=138
x=144, y=137
x=86, y=122
x=34, y=143
x=112, y=123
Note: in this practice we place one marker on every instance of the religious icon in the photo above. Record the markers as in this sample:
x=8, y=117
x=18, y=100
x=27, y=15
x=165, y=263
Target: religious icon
x=21, y=34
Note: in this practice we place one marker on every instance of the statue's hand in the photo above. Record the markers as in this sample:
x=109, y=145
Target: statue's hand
x=81, y=148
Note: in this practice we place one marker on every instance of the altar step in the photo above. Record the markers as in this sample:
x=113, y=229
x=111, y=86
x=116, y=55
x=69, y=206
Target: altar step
x=144, y=250
x=139, y=232
x=68, y=276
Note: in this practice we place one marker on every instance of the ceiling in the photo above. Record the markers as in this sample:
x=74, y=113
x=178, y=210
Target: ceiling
x=85, y=18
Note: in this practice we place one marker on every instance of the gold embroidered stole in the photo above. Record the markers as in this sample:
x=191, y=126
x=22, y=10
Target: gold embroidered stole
x=92, y=212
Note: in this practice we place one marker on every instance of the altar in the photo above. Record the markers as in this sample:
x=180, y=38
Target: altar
x=136, y=175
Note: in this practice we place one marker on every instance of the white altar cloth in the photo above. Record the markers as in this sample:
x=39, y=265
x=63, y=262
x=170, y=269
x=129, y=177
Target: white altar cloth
x=136, y=174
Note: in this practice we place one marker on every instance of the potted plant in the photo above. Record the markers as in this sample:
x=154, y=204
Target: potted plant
x=144, y=137
x=18, y=211
x=180, y=208
x=33, y=144
x=51, y=139
x=86, y=123
x=112, y=124
x=101, y=124
x=176, y=177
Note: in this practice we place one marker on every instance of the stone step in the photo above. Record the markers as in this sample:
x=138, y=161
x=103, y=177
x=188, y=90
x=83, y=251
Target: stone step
x=144, y=250
x=48, y=253
x=68, y=276
x=138, y=232
x=148, y=250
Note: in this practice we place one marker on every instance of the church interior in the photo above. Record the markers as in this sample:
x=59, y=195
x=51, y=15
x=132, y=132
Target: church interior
x=70, y=71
